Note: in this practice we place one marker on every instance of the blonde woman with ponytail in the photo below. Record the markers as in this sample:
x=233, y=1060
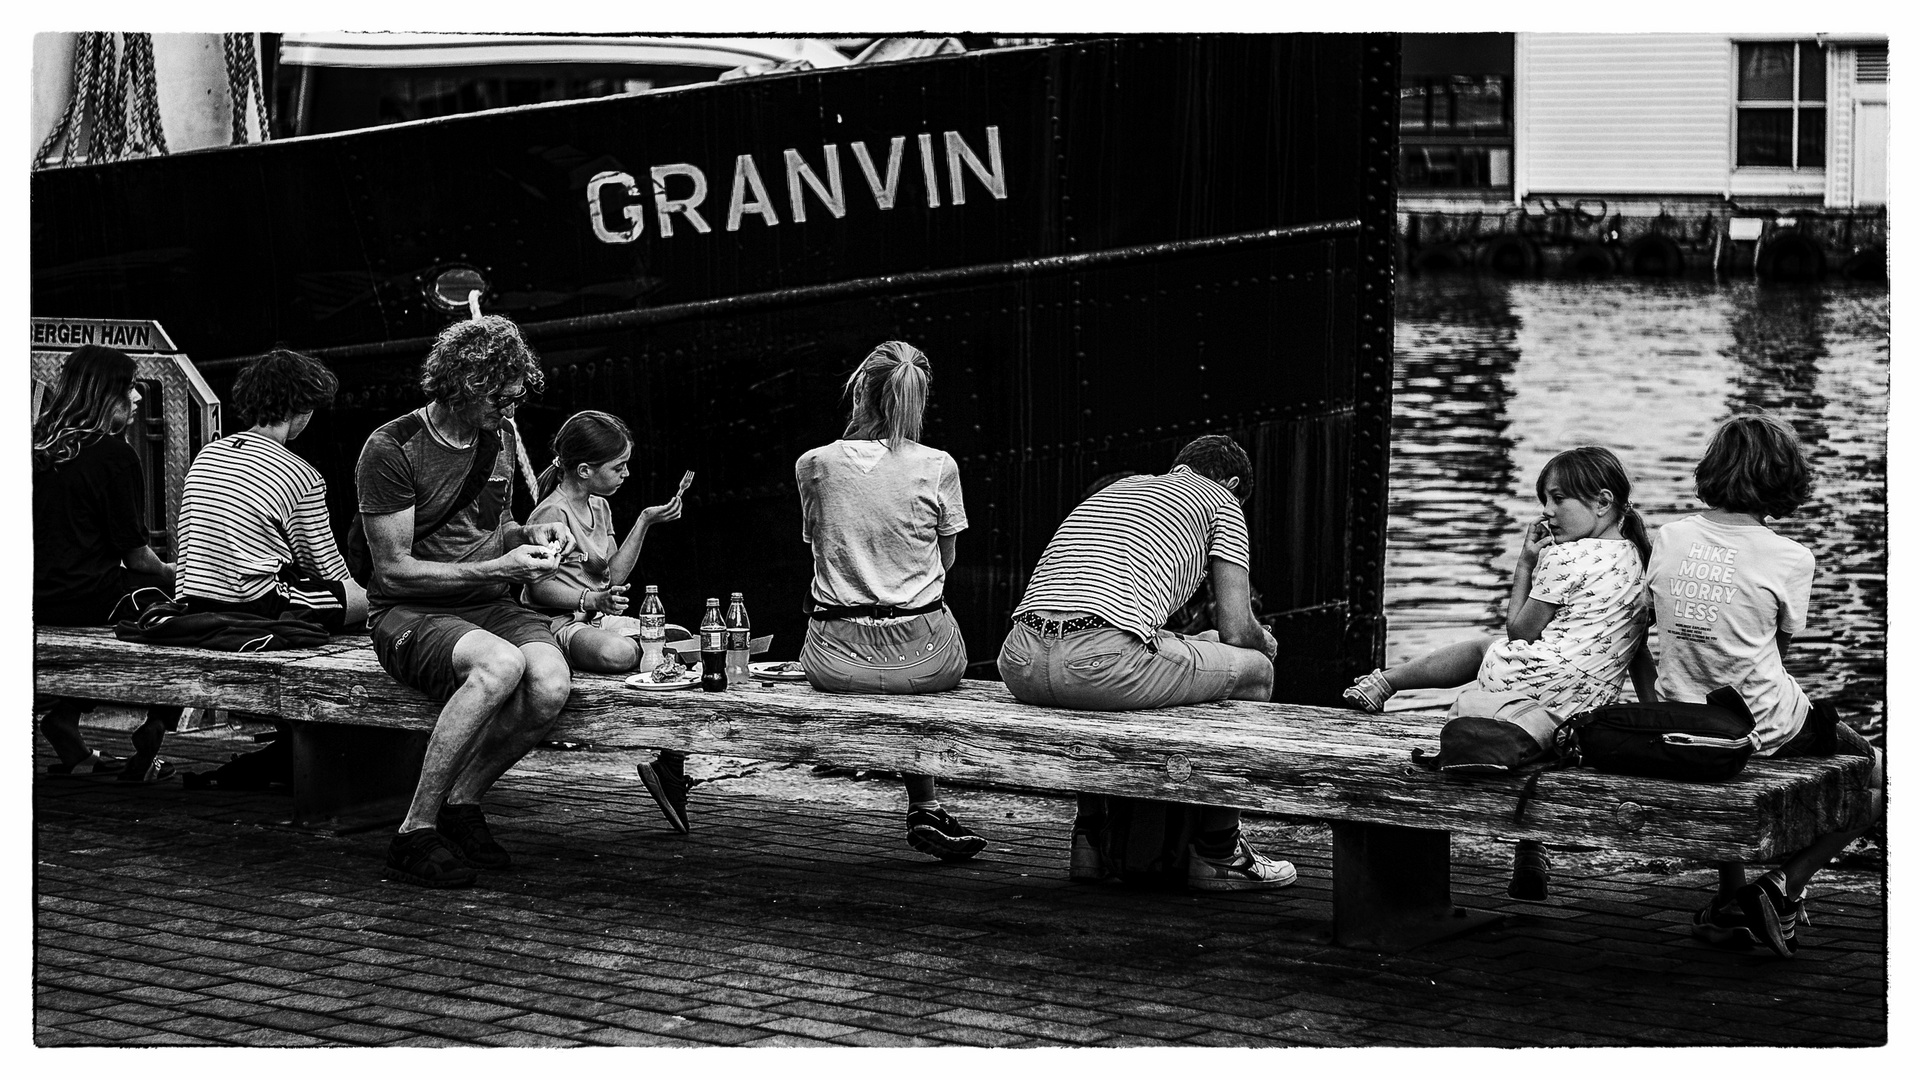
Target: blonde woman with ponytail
x=882, y=511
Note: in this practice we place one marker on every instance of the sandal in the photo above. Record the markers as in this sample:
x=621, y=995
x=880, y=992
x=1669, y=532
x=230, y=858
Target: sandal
x=153, y=771
x=95, y=766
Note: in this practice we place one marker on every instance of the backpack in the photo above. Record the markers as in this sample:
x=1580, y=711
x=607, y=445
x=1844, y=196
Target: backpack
x=1144, y=841
x=1497, y=733
x=1671, y=740
x=360, y=559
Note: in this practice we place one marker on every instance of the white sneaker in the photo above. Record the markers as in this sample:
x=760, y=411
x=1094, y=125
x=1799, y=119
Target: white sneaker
x=1244, y=869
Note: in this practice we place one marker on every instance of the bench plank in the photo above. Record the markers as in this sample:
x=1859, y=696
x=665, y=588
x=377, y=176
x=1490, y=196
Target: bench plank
x=1330, y=764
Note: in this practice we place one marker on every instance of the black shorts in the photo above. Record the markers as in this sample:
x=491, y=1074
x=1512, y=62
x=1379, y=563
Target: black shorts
x=317, y=600
x=1824, y=734
x=415, y=643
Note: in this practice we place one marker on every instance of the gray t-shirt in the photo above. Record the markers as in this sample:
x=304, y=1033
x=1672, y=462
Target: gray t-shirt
x=875, y=517
x=1721, y=594
x=425, y=473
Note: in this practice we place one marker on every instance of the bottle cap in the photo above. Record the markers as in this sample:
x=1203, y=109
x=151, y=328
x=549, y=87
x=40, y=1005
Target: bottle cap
x=737, y=596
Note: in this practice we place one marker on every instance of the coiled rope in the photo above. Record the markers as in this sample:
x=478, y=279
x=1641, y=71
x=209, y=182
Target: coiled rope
x=244, y=79
x=118, y=123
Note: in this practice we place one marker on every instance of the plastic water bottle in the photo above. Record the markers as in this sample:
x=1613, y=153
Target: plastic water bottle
x=713, y=648
x=653, y=629
x=739, y=632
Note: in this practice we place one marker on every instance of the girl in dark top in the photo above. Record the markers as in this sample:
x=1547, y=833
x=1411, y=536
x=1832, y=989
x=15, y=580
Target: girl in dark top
x=89, y=544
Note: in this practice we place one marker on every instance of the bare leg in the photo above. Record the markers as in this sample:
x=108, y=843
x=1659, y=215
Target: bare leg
x=920, y=789
x=594, y=649
x=1449, y=665
x=61, y=726
x=1732, y=876
x=491, y=669
x=160, y=720
x=519, y=724
x=1802, y=865
x=1252, y=676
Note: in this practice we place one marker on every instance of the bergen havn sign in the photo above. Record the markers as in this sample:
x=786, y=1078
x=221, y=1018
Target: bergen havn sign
x=750, y=195
x=123, y=334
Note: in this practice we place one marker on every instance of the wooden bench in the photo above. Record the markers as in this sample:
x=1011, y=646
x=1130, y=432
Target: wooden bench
x=1390, y=819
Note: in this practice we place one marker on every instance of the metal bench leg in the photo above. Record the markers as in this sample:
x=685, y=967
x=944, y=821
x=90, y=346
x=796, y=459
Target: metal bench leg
x=347, y=778
x=1392, y=888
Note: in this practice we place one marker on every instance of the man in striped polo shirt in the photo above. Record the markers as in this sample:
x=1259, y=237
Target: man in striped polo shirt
x=253, y=516
x=1088, y=633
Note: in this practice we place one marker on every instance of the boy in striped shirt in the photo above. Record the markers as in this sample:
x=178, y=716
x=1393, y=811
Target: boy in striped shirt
x=254, y=535
x=1088, y=633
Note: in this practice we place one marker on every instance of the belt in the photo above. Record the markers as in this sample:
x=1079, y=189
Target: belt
x=1063, y=627
x=863, y=611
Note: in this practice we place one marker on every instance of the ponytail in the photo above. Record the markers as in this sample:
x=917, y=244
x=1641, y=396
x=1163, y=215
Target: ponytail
x=1634, y=528
x=889, y=394
x=547, y=482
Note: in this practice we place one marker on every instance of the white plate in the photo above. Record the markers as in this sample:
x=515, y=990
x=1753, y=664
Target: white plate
x=644, y=681
x=770, y=669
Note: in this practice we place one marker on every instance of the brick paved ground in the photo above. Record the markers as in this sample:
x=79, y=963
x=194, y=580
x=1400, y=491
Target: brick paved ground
x=169, y=917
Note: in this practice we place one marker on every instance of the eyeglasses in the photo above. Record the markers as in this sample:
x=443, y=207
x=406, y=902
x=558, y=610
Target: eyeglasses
x=503, y=401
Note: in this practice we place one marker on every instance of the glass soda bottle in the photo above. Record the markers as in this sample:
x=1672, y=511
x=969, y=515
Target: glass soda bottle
x=739, y=632
x=713, y=648
x=653, y=629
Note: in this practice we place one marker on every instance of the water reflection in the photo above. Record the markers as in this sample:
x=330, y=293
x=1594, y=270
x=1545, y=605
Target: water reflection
x=1492, y=378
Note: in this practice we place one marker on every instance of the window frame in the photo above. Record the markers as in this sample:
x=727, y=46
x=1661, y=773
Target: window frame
x=1793, y=104
x=1451, y=139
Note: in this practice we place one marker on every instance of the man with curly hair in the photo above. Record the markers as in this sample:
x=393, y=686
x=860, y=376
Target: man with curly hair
x=434, y=498
x=253, y=516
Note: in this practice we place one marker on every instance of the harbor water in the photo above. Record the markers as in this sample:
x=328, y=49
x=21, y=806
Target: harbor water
x=1493, y=377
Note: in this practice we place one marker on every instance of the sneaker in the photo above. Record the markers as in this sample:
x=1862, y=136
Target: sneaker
x=1720, y=923
x=1244, y=869
x=1768, y=916
x=666, y=781
x=935, y=833
x=423, y=857
x=1084, y=862
x=1369, y=693
x=464, y=828
x=1530, y=867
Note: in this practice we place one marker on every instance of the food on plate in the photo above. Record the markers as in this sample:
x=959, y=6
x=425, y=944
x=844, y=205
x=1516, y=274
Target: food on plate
x=669, y=671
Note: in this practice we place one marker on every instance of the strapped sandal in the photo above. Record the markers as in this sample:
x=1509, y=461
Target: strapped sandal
x=153, y=771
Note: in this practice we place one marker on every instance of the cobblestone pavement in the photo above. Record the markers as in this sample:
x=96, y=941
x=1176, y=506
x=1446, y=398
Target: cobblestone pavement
x=167, y=917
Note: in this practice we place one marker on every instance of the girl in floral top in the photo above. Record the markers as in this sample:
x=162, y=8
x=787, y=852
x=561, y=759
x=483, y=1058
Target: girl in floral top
x=1575, y=618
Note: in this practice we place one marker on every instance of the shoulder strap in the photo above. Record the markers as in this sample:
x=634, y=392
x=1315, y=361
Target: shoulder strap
x=484, y=452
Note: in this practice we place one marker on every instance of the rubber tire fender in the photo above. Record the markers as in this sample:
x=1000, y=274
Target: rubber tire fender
x=1654, y=255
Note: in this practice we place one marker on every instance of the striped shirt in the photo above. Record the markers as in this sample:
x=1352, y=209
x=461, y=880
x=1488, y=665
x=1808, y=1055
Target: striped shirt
x=249, y=507
x=1135, y=551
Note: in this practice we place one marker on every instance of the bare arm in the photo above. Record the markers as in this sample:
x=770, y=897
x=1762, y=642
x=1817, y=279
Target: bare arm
x=1527, y=617
x=1641, y=670
x=142, y=560
x=390, y=543
x=949, y=550
x=1233, y=609
x=628, y=554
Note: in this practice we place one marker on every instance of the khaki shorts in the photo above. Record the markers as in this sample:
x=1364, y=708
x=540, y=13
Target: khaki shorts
x=1111, y=670
x=923, y=654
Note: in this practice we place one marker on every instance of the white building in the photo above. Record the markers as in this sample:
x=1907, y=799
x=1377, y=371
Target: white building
x=1611, y=130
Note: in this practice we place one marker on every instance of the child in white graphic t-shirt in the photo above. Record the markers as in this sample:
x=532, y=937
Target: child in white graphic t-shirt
x=1728, y=594
x=1575, y=618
